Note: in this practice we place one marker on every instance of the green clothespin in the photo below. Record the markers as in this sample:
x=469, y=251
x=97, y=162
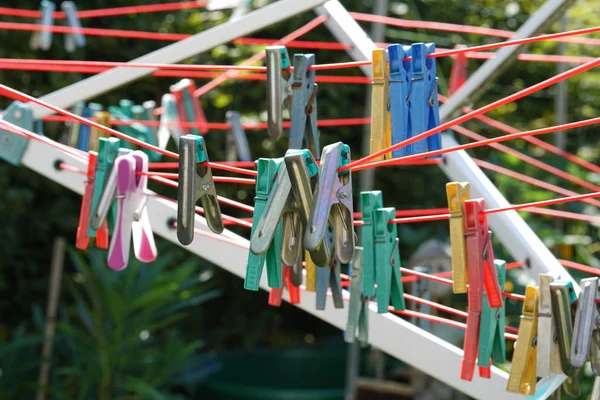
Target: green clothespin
x=358, y=309
x=107, y=153
x=267, y=168
x=387, y=261
x=136, y=130
x=13, y=146
x=369, y=202
x=492, y=344
x=126, y=107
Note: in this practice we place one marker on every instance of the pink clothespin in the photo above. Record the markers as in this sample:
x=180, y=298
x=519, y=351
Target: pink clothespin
x=482, y=275
x=459, y=71
x=83, y=239
x=276, y=293
x=132, y=215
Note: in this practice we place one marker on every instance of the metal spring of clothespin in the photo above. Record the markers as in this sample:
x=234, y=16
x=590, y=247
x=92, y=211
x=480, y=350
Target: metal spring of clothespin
x=195, y=183
x=304, y=105
x=278, y=88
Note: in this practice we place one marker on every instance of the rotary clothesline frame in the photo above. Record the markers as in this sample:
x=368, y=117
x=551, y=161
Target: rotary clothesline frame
x=387, y=332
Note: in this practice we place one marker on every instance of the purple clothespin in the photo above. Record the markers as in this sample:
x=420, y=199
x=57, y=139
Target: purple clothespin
x=132, y=216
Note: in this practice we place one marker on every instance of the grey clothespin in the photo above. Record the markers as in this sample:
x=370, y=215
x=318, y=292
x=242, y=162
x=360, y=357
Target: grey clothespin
x=169, y=122
x=548, y=358
x=304, y=105
x=278, y=88
x=43, y=39
x=75, y=38
x=237, y=142
x=358, y=308
x=586, y=335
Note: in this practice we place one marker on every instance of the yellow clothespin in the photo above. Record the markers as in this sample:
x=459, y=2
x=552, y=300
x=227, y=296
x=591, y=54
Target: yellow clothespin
x=103, y=118
x=311, y=273
x=381, y=132
x=458, y=193
x=522, y=377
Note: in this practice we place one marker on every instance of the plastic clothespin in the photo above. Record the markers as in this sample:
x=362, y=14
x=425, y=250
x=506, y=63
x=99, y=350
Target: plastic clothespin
x=132, y=220
x=275, y=294
x=328, y=277
x=74, y=125
x=148, y=115
x=398, y=104
x=103, y=118
x=358, y=308
x=83, y=141
x=42, y=39
x=458, y=193
x=482, y=275
x=420, y=288
x=380, y=104
x=136, y=130
x=304, y=105
x=278, y=88
x=459, y=71
x=267, y=169
x=195, y=183
x=492, y=344
x=74, y=38
x=522, y=375
x=169, y=122
x=310, y=281
x=586, y=331
x=333, y=202
x=86, y=204
x=387, y=261
x=548, y=358
x=237, y=142
x=369, y=202
x=189, y=109
x=13, y=146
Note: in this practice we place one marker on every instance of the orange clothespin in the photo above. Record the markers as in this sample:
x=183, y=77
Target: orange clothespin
x=458, y=74
x=275, y=294
x=86, y=204
x=482, y=275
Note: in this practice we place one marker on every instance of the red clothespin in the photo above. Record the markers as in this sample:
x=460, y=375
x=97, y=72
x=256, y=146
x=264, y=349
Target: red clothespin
x=102, y=236
x=482, y=275
x=188, y=107
x=275, y=294
x=86, y=204
x=458, y=74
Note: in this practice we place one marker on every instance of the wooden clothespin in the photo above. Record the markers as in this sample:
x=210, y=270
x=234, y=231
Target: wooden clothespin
x=458, y=193
x=380, y=104
x=303, y=125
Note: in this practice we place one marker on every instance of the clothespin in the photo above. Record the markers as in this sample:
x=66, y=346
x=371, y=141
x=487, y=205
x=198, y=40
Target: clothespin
x=380, y=104
x=492, y=344
x=311, y=273
x=73, y=132
x=83, y=141
x=420, y=288
x=369, y=202
x=333, y=202
x=328, y=277
x=169, y=122
x=103, y=118
x=125, y=113
x=548, y=358
x=42, y=39
x=522, y=375
x=75, y=38
x=387, y=261
x=276, y=293
x=107, y=153
x=358, y=308
x=586, y=334
x=399, y=101
x=148, y=115
x=480, y=259
x=304, y=105
x=189, y=109
x=132, y=220
x=237, y=142
x=278, y=87
x=458, y=193
x=86, y=204
x=195, y=183
x=267, y=169
x=458, y=73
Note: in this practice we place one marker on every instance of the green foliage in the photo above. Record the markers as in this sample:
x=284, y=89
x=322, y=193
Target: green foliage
x=19, y=364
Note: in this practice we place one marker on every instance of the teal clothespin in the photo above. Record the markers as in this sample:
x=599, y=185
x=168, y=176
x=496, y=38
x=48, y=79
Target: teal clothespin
x=492, y=344
x=13, y=146
x=358, y=308
x=267, y=168
x=125, y=112
x=107, y=153
x=328, y=277
x=387, y=261
x=369, y=202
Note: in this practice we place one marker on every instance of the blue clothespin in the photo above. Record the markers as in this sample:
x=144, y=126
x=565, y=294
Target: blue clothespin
x=369, y=202
x=83, y=141
x=304, y=105
x=398, y=97
x=328, y=277
x=75, y=38
x=387, y=262
x=43, y=39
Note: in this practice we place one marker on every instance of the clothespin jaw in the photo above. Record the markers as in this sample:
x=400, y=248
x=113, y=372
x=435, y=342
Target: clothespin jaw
x=107, y=153
x=238, y=136
x=522, y=375
x=387, y=261
x=492, y=344
x=561, y=294
x=103, y=118
x=195, y=183
x=587, y=327
x=458, y=193
x=189, y=109
x=86, y=204
x=369, y=202
x=358, y=309
x=83, y=141
x=278, y=87
x=380, y=104
x=311, y=273
x=42, y=39
x=333, y=202
x=328, y=277
x=458, y=73
x=75, y=38
x=548, y=357
x=434, y=142
x=169, y=122
x=275, y=294
x=132, y=221
x=304, y=105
